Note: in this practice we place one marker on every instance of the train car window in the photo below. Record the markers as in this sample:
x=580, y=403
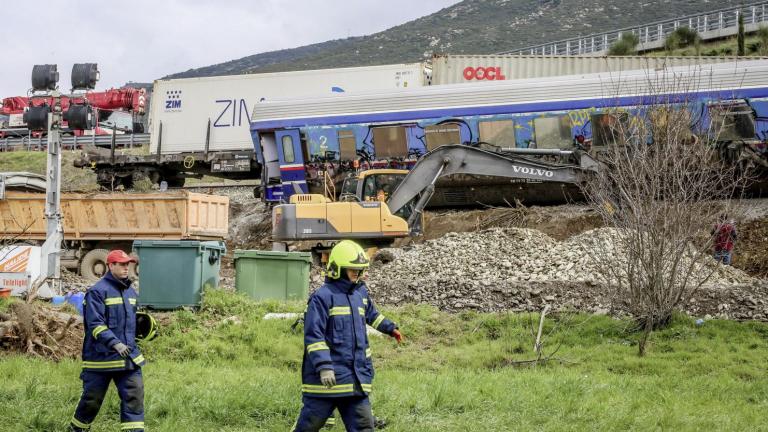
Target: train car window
x=553, y=132
x=288, y=154
x=444, y=134
x=498, y=132
x=347, y=145
x=661, y=117
x=607, y=129
x=390, y=142
x=732, y=121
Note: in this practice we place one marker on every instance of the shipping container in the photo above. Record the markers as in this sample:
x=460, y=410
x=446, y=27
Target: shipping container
x=503, y=96
x=211, y=114
x=456, y=69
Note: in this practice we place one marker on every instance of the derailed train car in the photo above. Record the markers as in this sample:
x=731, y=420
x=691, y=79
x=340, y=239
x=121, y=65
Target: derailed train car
x=307, y=144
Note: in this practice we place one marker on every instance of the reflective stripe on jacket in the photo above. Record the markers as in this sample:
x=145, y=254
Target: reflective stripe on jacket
x=335, y=338
x=109, y=315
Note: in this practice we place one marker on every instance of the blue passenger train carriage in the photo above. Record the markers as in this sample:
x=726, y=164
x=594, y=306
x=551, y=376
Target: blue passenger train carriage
x=307, y=144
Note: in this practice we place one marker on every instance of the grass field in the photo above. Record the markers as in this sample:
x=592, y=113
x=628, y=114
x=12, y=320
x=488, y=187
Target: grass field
x=211, y=373
x=35, y=162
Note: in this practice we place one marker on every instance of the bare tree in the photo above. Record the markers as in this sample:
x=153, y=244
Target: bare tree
x=660, y=192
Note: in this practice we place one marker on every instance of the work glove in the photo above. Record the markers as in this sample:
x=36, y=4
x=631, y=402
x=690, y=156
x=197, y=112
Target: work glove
x=121, y=349
x=397, y=335
x=328, y=377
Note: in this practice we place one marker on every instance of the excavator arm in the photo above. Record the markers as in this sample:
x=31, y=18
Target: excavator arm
x=460, y=159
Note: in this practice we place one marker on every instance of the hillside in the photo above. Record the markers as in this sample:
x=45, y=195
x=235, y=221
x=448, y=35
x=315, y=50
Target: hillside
x=468, y=27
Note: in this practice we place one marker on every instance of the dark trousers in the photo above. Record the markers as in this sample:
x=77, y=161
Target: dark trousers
x=355, y=412
x=130, y=388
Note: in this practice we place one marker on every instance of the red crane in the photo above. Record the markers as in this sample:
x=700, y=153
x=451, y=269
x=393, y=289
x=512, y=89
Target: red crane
x=126, y=99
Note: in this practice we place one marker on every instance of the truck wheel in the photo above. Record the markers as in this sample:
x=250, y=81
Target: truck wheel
x=133, y=271
x=94, y=264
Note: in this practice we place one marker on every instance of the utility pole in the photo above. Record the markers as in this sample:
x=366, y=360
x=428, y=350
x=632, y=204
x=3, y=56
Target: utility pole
x=51, y=264
x=51, y=118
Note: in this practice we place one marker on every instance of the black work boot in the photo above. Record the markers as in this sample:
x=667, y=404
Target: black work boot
x=73, y=428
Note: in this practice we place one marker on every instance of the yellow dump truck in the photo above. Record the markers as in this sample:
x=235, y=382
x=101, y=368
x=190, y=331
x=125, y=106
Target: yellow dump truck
x=95, y=223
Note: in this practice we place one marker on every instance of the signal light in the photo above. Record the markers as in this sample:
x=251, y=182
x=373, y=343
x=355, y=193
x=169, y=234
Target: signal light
x=44, y=77
x=36, y=117
x=80, y=116
x=84, y=76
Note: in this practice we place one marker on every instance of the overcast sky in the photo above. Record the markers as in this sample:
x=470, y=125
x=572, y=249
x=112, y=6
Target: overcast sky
x=141, y=40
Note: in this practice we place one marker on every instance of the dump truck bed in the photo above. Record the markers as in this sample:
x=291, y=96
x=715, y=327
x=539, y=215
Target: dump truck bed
x=118, y=216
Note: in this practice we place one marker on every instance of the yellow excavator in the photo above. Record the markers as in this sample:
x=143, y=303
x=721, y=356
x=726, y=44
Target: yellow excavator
x=367, y=212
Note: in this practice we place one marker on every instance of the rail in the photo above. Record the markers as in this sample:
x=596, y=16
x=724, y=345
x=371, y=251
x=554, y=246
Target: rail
x=28, y=143
x=710, y=25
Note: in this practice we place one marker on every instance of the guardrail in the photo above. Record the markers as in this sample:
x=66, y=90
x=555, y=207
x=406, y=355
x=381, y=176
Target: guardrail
x=710, y=25
x=73, y=142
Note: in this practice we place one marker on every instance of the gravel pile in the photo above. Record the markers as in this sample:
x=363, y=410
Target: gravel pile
x=523, y=269
x=517, y=255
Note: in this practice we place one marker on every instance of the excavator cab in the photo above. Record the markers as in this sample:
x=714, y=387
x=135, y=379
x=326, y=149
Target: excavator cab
x=371, y=185
x=379, y=185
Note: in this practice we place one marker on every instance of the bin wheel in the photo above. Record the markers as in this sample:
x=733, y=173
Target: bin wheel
x=94, y=264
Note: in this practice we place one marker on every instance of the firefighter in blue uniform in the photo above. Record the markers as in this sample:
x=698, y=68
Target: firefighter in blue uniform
x=109, y=348
x=337, y=372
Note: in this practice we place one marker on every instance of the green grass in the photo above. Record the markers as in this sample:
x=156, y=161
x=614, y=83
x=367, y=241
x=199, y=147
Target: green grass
x=74, y=179
x=718, y=47
x=206, y=373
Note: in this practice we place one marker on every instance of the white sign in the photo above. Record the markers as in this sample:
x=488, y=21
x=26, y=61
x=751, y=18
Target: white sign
x=19, y=267
x=16, y=120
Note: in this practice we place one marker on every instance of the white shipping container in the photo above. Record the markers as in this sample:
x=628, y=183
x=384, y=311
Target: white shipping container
x=753, y=73
x=456, y=69
x=185, y=107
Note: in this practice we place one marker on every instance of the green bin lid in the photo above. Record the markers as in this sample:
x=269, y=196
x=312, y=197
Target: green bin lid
x=179, y=244
x=287, y=256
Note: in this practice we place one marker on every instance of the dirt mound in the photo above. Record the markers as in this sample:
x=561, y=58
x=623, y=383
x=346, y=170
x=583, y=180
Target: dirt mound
x=38, y=330
x=751, y=250
x=558, y=222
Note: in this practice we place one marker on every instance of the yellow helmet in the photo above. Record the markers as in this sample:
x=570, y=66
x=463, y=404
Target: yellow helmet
x=346, y=254
x=146, y=326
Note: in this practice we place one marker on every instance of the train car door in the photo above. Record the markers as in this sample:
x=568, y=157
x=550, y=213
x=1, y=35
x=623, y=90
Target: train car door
x=271, y=183
x=291, y=157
